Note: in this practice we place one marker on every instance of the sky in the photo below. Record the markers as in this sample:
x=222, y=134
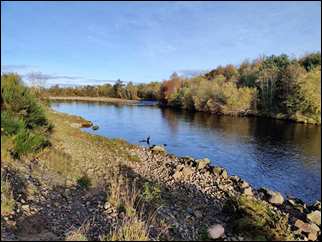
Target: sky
x=97, y=42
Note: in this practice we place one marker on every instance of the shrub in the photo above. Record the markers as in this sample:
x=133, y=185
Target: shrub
x=151, y=192
x=84, y=181
x=26, y=141
x=22, y=116
x=17, y=99
x=10, y=124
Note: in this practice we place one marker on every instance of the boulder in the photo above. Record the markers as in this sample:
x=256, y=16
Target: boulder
x=217, y=170
x=236, y=179
x=224, y=173
x=275, y=198
x=314, y=217
x=202, y=163
x=299, y=223
x=248, y=191
x=220, y=171
x=75, y=125
x=158, y=149
x=95, y=127
x=187, y=172
x=306, y=227
x=216, y=231
x=317, y=205
x=244, y=185
x=313, y=236
x=86, y=124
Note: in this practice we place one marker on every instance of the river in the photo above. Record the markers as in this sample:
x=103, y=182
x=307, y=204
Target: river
x=276, y=154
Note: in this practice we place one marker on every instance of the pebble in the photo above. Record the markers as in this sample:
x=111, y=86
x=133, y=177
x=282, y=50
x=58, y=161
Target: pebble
x=315, y=217
x=216, y=231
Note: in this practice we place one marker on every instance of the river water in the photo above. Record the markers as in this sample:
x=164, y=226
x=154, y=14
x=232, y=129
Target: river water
x=276, y=154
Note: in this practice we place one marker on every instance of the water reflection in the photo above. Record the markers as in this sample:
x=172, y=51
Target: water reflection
x=266, y=152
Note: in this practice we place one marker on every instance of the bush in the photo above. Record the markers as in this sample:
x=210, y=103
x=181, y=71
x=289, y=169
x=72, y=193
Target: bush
x=10, y=124
x=84, y=182
x=151, y=192
x=22, y=116
x=26, y=141
x=17, y=99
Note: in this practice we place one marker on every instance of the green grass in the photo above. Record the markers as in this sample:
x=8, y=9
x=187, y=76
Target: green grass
x=151, y=193
x=257, y=220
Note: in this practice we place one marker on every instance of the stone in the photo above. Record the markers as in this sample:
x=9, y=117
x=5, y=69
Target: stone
x=216, y=231
x=313, y=236
x=298, y=223
x=187, y=171
x=25, y=207
x=86, y=124
x=224, y=173
x=306, y=227
x=177, y=175
x=198, y=214
x=244, y=185
x=314, y=217
x=317, y=205
x=202, y=163
x=158, y=149
x=275, y=197
x=248, y=191
x=315, y=228
x=75, y=125
x=217, y=170
x=107, y=205
x=236, y=179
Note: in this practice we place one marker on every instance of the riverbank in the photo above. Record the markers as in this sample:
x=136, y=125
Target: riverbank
x=95, y=99
x=295, y=118
x=69, y=188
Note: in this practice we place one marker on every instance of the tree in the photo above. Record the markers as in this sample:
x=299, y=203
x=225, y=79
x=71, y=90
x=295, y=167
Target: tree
x=311, y=61
x=117, y=88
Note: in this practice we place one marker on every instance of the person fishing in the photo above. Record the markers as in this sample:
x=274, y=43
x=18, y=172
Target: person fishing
x=147, y=140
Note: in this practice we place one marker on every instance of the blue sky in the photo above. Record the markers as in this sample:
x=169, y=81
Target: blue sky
x=92, y=42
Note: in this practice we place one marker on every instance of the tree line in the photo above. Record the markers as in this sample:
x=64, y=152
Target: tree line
x=275, y=86
x=118, y=90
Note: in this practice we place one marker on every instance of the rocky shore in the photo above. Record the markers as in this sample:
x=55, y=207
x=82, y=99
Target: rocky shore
x=191, y=199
